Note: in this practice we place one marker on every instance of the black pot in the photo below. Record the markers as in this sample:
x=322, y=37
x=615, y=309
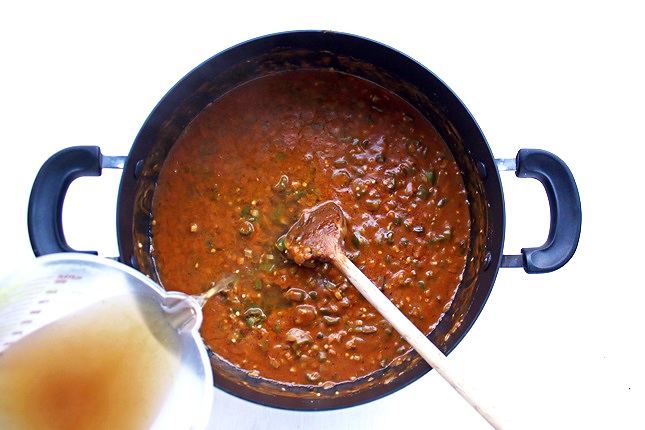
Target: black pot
x=384, y=66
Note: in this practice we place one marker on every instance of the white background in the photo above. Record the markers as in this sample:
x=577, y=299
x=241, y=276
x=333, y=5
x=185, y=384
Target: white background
x=562, y=350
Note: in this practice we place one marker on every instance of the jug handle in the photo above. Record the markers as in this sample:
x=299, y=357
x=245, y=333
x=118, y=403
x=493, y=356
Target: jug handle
x=45, y=208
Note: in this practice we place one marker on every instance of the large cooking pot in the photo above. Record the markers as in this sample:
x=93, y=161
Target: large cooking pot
x=375, y=62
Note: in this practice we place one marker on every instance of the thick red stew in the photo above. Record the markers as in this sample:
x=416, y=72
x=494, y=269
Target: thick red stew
x=240, y=175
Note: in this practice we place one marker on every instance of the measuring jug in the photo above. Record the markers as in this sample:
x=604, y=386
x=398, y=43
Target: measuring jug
x=87, y=342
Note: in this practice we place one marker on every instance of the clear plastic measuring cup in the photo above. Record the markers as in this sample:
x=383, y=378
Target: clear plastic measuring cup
x=87, y=342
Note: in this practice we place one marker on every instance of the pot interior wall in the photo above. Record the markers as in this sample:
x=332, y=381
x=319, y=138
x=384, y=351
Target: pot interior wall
x=378, y=64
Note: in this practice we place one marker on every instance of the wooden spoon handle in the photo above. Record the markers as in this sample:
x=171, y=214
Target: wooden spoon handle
x=411, y=334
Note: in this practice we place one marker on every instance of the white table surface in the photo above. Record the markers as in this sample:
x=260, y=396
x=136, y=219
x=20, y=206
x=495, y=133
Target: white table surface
x=561, y=350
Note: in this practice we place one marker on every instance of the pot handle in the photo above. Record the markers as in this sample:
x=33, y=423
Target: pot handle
x=45, y=209
x=566, y=211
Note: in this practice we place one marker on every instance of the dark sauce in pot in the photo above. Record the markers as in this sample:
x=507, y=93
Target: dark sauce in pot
x=241, y=174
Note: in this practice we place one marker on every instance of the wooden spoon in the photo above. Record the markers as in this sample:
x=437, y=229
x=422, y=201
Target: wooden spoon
x=318, y=235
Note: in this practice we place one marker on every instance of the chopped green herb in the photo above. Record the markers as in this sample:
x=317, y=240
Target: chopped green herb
x=246, y=229
x=254, y=316
x=423, y=193
x=430, y=176
x=280, y=243
x=282, y=183
x=357, y=240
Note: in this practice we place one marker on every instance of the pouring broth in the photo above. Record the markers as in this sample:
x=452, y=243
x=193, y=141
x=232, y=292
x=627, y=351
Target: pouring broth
x=240, y=175
x=103, y=367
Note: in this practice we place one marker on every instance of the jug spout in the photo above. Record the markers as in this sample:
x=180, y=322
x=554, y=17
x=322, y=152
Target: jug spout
x=182, y=311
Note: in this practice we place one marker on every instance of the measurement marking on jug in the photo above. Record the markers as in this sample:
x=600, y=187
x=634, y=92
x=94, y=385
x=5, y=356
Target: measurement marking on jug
x=61, y=279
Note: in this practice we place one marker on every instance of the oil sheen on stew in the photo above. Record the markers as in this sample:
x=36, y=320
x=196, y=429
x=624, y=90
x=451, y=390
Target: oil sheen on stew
x=241, y=174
